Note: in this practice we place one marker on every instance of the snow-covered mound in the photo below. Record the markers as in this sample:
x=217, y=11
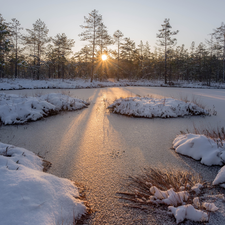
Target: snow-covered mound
x=15, y=109
x=200, y=147
x=154, y=107
x=30, y=196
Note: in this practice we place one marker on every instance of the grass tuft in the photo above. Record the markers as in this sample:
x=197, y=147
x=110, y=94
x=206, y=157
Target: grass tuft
x=138, y=187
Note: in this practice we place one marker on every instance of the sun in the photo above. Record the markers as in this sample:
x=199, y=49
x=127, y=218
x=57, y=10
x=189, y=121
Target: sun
x=104, y=57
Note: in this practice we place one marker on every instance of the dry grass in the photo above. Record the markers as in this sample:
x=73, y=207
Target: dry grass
x=138, y=187
x=217, y=134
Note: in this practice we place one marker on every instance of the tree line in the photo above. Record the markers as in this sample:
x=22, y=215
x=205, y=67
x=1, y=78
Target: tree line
x=35, y=55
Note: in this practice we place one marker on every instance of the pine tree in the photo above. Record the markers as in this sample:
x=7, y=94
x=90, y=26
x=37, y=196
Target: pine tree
x=103, y=39
x=63, y=47
x=4, y=43
x=220, y=36
x=91, y=33
x=118, y=35
x=37, y=38
x=167, y=40
x=16, y=36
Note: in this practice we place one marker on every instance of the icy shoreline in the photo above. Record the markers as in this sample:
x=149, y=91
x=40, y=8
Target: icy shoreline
x=18, y=84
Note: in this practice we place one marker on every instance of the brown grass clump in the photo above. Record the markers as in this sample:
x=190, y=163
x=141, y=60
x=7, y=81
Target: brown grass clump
x=138, y=187
x=46, y=165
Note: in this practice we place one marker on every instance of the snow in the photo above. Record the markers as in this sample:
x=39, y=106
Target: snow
x=220, y=177
x=176, y=202
x=210, y=206
x=155, y=107
x=169, y=197
x=15, y=84
x=30, y=196
x=196, y=202
x=197, y=188
x=15, y=109
x=188, y=212
x=200, y=147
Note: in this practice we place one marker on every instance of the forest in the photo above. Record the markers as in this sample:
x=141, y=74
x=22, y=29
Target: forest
x=35, y=55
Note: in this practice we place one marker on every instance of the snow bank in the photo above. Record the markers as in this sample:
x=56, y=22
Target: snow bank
x=200, y=147
x=15, y=109
x=15, y=84
x=154, y=107
x=30, y=196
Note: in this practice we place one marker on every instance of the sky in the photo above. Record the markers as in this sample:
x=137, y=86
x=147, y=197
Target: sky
x=137, y=19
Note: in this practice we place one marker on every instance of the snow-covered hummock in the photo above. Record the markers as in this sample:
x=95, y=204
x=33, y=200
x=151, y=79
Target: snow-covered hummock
x=15, y=109
x=155, y=107
x=188, y=212
x=200, y=147
x=30, y=196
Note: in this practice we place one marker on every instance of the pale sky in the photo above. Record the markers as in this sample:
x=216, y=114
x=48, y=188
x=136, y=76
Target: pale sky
x=137, y=19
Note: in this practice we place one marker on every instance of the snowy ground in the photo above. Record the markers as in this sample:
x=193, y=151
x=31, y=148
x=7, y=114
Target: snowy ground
x=15, y=109
x=30, y=196
x=17, y=84
x=154, y=107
